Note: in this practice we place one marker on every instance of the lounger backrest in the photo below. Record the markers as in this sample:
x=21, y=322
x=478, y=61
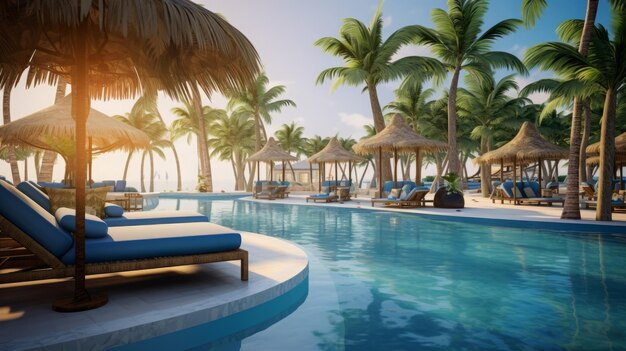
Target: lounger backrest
x=33, y=220
x=35, y=194
x=120, y=186
x=417, y=195
x=507, y=188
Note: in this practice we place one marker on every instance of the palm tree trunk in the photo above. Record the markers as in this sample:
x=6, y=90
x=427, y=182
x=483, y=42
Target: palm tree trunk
x=293, y=172
x=363, y=174
x=6, y=112
x=26, y=169
x=143, y=159
x=585, y=141
x=232, y=164
x=379, y=125
x=571, y=207
x=151, y=171
x=454, y=164
x=607, y=157
x=252, y=174
x=205, y=163
x=257, y=131
x=130, y=154
x=179, y=183
x=485, y=171
x=49, y=157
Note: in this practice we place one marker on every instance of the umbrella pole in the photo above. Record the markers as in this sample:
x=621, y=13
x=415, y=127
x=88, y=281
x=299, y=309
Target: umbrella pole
x=395, y=168
x=621, y=175
x=311, y=174
x=380, y=172
x=514, y=180
x=90, y=156
x=418, y=167
x=501, y=170
x=283, y=170
x=540, y=178
x=336, y=176
x=271, y=171
x=350, y=172
x=80, y=109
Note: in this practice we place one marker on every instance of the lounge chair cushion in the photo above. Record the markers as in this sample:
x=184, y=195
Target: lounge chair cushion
x=148, y=241
x=113, y=210
x=518, y=194
x=325, y=190
x=394, y=194
x=35, y=194
x=155, y=217
x=32, y=219
x=94, y=226
x=529, y=192
x=94, y=199
x=406, y=189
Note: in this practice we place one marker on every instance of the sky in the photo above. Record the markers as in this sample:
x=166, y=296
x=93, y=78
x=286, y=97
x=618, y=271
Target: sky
x=283, y=32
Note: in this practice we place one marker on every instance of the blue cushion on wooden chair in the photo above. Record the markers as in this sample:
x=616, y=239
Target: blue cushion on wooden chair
x=113, y=210
x=35, y=194
x=94, y=226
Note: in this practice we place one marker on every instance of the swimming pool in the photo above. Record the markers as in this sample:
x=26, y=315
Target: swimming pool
x=389, y=281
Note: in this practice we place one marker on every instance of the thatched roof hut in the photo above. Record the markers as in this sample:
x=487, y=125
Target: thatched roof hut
x=620, y=147
x=334, y=152
x=272, y=152
x=400, y=137
x=53, y=127
x=527, y=146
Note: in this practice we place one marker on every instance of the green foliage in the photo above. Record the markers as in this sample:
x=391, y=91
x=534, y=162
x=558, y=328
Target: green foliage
x=202, y=186
x=428, y=178
x=453, y=183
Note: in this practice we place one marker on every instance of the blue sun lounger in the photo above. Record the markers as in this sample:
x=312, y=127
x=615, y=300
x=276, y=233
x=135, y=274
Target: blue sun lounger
x=116, y=216
x=35, y=245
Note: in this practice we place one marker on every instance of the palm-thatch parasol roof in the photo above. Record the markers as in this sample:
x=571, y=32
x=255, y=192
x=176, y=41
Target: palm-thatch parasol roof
x=400, y=137
x=332, y=152
x=620, y=146
x=271, y=152
x=52, y=127
x=117, y=49
x=595, y=160
x=527, y=146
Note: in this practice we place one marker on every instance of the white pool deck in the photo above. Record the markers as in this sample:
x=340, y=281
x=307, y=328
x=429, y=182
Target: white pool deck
x=145, y=304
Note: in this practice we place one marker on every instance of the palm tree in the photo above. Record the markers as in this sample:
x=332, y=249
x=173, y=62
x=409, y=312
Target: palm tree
x=532, y=9
x=258, y=102
x=315, y=145
x=410, y=101
x=457, y=41
x=233, y=141
x=368, y=62
x=49, y=157
x=487, y=105
x=603, y=68
x=6, y=113
x=188, y=124
x=157, y=132
x=289, y=137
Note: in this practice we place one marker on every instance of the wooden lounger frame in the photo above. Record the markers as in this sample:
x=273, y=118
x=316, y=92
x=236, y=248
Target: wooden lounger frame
x=539, y=200
x=323, y=198
x=37, y=263
x=418, y=201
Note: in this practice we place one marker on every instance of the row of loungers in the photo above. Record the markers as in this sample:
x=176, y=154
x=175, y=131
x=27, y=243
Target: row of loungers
x=35, y=244
x=526, y=193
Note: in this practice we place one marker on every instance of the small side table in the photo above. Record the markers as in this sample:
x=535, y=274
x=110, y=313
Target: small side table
x=547, y=193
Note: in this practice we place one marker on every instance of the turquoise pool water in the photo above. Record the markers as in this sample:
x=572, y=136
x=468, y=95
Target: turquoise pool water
x=387, y=281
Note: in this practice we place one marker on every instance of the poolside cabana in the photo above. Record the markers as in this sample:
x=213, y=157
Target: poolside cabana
x=333, y=152
x=54, y=129
x=398, y=137
x=185, y=48
x=593, y=154
x=528, y=146
x=271, y=153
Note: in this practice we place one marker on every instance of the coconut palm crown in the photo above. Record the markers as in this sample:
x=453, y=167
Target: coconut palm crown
x=457, y=40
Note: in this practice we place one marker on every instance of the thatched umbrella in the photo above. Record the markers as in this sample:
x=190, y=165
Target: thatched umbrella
x=53, y=128
x=527, y=146
x=270, y=153
x=398, y=137
x=593, y=154
x=116, y=49
x=334, y=152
